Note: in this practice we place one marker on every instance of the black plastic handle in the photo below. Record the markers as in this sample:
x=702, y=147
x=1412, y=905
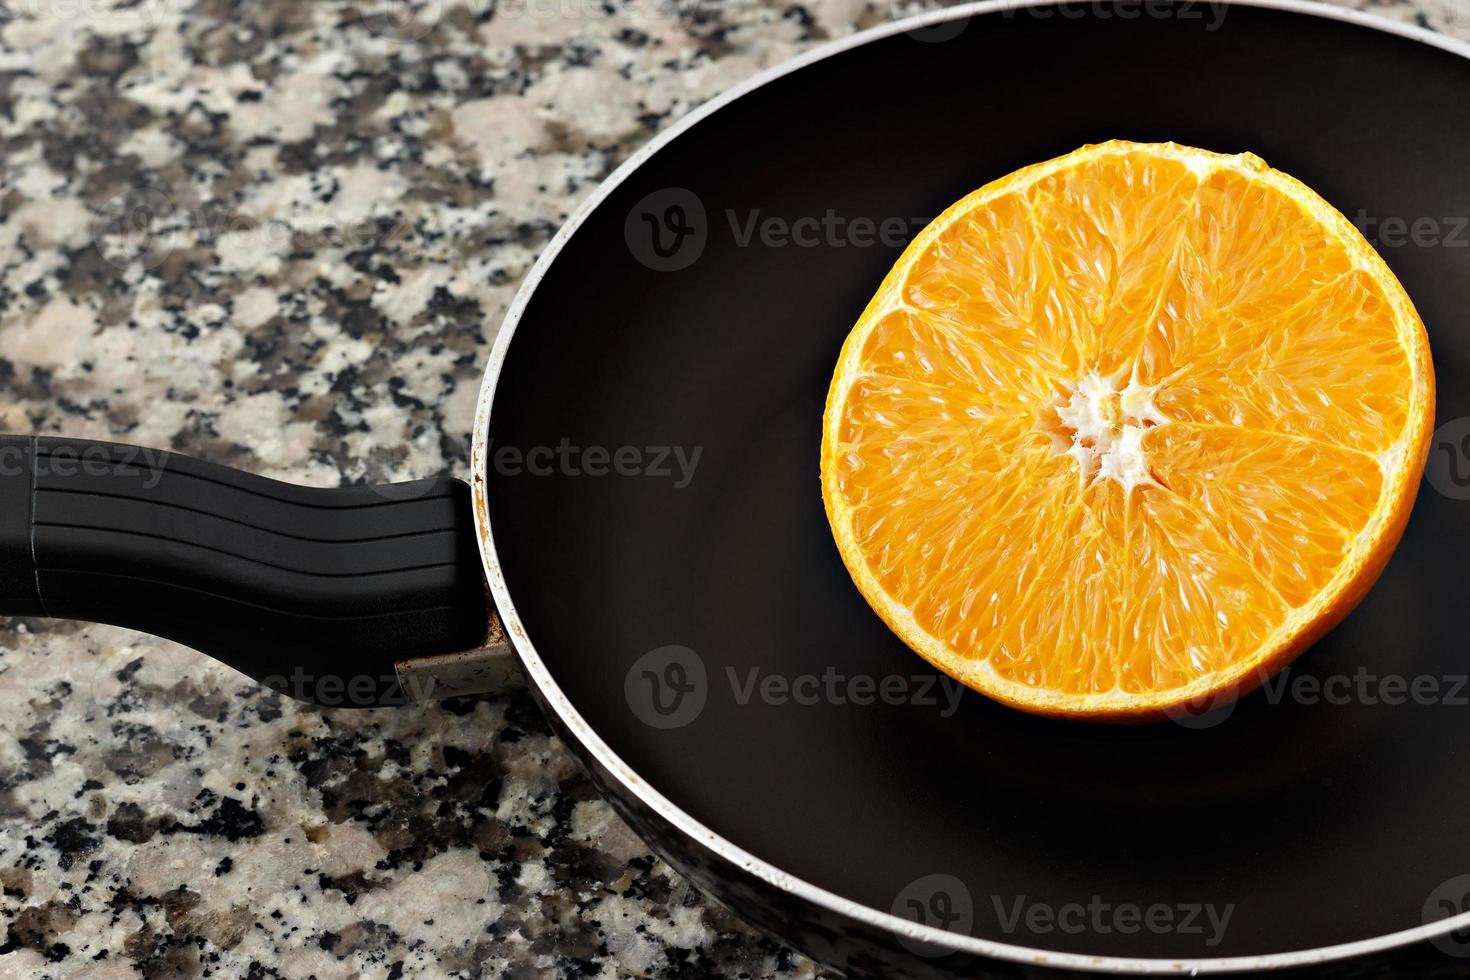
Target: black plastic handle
x=314, y=592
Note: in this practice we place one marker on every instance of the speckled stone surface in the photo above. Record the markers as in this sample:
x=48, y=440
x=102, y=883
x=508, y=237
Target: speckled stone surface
x=281, y=235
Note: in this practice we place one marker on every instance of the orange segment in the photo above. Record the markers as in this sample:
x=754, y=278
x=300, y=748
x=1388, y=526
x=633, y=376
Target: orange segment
x=1196, y=607
x=1109, y=257
x=1329, y=366
x=986, y=270
x=988, y=372
x=1292, y=507
x=1254, y=245
x=1126, y=429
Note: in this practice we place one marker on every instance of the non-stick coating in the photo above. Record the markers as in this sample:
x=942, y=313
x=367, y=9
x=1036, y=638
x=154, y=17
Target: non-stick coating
x=1319, y=823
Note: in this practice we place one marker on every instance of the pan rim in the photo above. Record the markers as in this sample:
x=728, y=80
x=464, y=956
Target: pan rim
x=632, y=783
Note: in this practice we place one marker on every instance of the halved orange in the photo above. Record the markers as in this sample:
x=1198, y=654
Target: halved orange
x=1126, y=431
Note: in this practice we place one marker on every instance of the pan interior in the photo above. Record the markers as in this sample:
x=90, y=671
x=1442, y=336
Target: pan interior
x=653, y=485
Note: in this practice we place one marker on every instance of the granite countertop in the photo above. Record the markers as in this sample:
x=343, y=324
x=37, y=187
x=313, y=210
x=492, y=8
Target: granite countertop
x=281, y=235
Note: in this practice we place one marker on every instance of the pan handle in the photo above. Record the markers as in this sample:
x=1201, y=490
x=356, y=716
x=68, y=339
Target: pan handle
x=323, y=594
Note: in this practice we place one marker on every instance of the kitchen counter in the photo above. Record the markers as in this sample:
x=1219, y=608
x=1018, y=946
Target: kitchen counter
x=281, y=235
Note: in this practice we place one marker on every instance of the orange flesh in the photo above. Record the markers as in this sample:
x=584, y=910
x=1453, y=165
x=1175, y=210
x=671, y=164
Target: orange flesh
x=1126, y=428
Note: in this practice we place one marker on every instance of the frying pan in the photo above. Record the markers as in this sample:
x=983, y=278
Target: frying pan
x=690, y=630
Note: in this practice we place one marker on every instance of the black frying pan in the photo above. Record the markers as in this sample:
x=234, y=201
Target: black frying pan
x=849, y=806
